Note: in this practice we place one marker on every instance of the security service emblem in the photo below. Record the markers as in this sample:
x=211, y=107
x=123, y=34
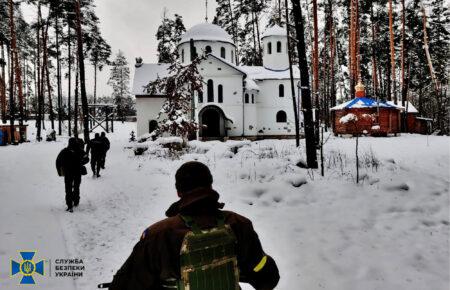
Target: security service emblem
x=27, y=268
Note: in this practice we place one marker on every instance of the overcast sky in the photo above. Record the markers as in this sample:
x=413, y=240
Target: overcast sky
x=131, y=25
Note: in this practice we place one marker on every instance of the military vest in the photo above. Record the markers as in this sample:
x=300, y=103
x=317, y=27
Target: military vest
x=207, y=258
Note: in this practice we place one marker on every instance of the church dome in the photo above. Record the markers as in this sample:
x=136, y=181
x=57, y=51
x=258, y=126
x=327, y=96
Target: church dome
x=208, y=32
x=274, y=31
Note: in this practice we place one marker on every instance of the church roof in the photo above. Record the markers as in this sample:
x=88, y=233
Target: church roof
x=275, y=31
x=411, y=108
x=262, y=73
x=206, y=31
x=146, y=73
x=358, y=103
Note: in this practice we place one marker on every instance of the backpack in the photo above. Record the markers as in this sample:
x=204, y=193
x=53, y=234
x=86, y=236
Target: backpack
x=207, y=258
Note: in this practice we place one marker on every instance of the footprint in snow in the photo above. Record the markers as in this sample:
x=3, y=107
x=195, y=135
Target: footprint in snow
x=398, y=187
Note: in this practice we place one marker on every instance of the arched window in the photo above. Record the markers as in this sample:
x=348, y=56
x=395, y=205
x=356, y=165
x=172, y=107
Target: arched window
x=194, y=53
x=220, y=93
x=281, y=91
x=281, y=117
x=223, y=53
x=200, y=96
x=152, y=126
x=279, y=46
x=210, y=91
x=247, y=98
x=232, y=56
x=269, y=48
x=208, y=49
x=253, y=98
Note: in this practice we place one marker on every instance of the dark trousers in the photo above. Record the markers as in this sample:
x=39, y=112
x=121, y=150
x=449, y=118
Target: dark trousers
x=96, y=163
x=72, y=183
x=102, y=162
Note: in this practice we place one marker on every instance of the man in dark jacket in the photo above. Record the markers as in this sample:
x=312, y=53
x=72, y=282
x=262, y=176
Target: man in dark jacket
x=156, y=257
x=69, y=164
x=106, y=146
x=97, y=149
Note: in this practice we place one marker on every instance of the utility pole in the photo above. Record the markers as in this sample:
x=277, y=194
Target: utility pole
x=84, y=103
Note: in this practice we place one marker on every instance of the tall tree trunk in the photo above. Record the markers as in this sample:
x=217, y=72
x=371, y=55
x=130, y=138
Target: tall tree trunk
x=47, y=77
x=235, y=30
x=427, y=51
x=311, y=154
x=332, y=57
x=391, y=38
x=258, y=37
x=16, y=64
x=58, y=76
x=40, y=98
x=95, y=83
x=84, y=102
x=11, y=94
x=76, y=109
x=254, y=37
x=291, y=73
x=44, y=36
x=315, y=61
x=69, y=81
x=374, y=57
x=3, y=85
x=315, y=64
x=353, y=47
x=402, y=76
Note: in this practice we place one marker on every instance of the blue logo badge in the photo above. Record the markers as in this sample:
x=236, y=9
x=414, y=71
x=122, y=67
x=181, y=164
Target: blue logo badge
x=27, y=268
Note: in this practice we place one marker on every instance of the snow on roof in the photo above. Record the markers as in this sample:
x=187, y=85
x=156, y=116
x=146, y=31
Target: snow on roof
x=206, y=31
x=145, y=74
x=274, y=31
x=262, y=73
x=411, y=108
x=251, y=85
x=238, y=68
x=363, y=103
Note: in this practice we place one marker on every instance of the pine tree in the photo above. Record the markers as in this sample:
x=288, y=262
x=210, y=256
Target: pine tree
x=169, y=34
x=174, y=117
x=248, y=12
x=100, y=52
x=119, y=80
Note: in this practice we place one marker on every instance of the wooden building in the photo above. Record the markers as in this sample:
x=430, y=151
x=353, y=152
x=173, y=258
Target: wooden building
x=18, y=130
x=373, y=117
x=415, y=123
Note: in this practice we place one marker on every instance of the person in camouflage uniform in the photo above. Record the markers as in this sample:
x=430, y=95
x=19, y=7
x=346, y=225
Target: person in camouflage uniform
x=155, y=259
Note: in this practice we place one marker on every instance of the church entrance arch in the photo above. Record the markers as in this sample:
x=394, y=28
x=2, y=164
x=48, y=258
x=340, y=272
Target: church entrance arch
x=212, y=122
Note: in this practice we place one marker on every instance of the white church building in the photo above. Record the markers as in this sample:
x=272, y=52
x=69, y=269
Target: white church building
x=254, y=102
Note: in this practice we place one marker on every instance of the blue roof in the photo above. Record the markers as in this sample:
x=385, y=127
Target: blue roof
x=363, y=103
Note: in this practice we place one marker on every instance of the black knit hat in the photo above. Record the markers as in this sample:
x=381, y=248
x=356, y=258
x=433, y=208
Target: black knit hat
x=192, y=175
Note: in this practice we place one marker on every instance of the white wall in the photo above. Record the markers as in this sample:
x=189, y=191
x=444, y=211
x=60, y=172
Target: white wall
x=147, y=109
x=232, y=82
x=275, y=60
x=269, y=103
x=215, y=46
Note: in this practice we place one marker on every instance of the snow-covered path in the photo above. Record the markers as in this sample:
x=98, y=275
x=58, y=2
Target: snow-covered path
x=30, y=212
x=390, y=232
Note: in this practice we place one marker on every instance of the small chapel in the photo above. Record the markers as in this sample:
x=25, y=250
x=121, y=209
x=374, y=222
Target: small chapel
x=253, y=102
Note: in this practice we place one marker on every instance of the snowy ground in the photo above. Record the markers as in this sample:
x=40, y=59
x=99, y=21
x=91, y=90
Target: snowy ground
x=389, y=232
